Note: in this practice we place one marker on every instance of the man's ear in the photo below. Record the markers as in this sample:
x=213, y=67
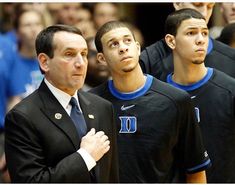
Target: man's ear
x=177, y=6
x=170, y=40
x=101, y=59
x=138, y=47
x=43, y=61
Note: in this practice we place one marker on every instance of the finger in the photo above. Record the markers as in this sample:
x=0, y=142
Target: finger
x=91, y=132
x=106, y=143
x=99, y=134
x=104, y=138
x=106, y=149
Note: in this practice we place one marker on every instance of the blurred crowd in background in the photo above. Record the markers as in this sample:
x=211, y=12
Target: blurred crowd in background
x=21, y=22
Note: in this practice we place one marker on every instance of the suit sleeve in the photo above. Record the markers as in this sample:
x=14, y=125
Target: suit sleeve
x=26, y=157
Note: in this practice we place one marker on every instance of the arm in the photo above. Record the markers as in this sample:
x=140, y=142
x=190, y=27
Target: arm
x=199, y=177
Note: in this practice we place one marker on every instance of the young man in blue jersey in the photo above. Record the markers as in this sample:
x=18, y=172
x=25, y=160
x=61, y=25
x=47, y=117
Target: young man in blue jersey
x=156, y=59
x=212, y=91
x=158, y=140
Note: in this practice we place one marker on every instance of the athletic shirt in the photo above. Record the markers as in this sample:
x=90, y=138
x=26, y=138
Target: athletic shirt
x=159, y=140
x=26, y=74
x=214, y=102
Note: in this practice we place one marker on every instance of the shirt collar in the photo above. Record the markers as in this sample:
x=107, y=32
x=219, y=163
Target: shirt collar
x=61, y=96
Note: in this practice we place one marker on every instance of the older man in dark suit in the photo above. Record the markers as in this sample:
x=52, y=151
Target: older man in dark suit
x=44, y=141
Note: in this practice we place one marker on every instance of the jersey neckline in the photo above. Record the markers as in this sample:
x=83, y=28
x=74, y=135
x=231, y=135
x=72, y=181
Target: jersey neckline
x=132, y=95
x=192, y=86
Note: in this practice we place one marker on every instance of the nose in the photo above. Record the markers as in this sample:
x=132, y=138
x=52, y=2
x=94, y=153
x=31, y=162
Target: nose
x=200, y=39
x=123, y=48
x=79, y=61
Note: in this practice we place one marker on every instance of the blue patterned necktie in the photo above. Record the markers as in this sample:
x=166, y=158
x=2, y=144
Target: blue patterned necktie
x=78, y=118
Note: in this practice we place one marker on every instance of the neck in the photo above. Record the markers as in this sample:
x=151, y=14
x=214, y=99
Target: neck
x=188, y=74
x=129, y=81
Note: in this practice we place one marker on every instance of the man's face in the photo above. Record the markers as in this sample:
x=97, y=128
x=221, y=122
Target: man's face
x=30, y=24
x=120, y=50
x=105, y=12
x=67, y=69
x=191, y=41
x=97, y=71
x=228, y=10
x=204, y=8
x=67, y=14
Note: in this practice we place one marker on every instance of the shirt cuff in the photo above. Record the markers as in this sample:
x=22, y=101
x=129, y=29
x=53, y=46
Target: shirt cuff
x=90, y=162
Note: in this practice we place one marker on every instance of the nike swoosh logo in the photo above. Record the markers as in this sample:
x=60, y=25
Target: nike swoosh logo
x=127, y=107
x=192, y=97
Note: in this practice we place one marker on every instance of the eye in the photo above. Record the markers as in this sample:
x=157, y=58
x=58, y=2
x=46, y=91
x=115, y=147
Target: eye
x=128, y=40
x=205, y=33
x=84, y=54
x=190, y=33
x=114, y=44
x=198, y=4
x=69, y=54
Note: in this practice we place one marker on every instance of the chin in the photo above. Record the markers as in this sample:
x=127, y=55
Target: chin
x=198, y=62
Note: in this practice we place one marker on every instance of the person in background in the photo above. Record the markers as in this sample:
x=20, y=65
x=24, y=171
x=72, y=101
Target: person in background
x=58, y=133
x=97, y=72
x=85, y=22
x=9, y=96
x=212, y=91
x=26, y=73
x=67, y=13
x=159, y=139
x=227, y=35
x=104, y=12
x=157, y=59
x=227, y=9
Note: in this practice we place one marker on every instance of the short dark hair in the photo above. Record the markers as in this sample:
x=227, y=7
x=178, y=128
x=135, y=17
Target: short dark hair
x=227, y=35
x=44, y=41
x=106, y=28
x=174, y=20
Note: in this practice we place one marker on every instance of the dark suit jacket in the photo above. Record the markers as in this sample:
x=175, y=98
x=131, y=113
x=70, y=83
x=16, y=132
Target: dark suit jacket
x=157, y=59
x=41, y=147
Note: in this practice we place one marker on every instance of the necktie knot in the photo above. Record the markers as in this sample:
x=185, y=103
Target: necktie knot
x=73, y=102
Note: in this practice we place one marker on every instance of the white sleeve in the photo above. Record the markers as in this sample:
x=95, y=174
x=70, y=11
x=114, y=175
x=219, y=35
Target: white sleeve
x=90, y=162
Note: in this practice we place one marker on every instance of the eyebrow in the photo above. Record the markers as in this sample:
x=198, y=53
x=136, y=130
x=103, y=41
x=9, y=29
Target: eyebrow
x=74, y=49
x=194, y=27
x=125, y=36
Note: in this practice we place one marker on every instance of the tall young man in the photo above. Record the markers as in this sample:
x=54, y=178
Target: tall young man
x=212, y=91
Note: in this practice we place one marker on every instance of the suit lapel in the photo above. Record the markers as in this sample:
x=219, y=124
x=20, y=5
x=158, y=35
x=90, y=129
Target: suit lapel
x=58, y=116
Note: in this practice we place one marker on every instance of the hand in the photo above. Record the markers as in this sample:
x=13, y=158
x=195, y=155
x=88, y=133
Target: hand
x=96, y=144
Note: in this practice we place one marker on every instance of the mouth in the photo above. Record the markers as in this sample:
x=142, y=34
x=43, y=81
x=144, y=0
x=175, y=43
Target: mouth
x=126, y=58
x=200, y=50
x=77, y=75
